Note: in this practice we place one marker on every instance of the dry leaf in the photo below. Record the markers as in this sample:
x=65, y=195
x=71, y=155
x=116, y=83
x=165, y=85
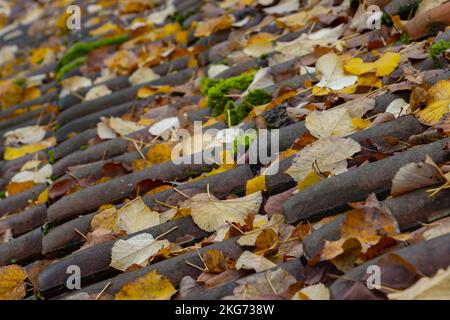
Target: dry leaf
x=251, y=261
x=327, y=123
x=151, y=286
x=143, y=75
x=208, y=27
x=328, y=155
x=25, y=135
x=314, y=292
x=136, y=216
x=436, y=287
x=210, y=214
x=414, y=176
x=332, y=76
x=135, y=250
x=263, y=285
x=12, y=285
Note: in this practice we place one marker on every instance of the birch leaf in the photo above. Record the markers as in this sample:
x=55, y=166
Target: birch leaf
x=136, y=250
x=210, y=214
x=333, y=122
x=151, y=286
x=329, y=154
x=136, y=216
x=332, y=73
x=251, y=261
x=25, y=135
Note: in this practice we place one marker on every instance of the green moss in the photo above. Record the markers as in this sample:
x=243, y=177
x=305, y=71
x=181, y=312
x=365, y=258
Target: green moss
x=235, y=114
x=51, y=156
x=404, y=38
x=70, y=66
x=217, y=90
x=437, y=49
x=2, y=194
x=77, y=54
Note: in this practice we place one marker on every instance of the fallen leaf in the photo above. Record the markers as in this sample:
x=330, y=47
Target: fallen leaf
x=398, y=108
x=416, y=175
x=327, y=123
x=251, y=261
x=12, y=285
x=208, y=27
x=25, y=135
x=265, y=285
x=438, y=103
x=332, y=76
x=97, y=92
x=37, y=176
x=384, y=66
x=214, y=261
x=436, y=287
x=307, y=42
x=105, y=219
x=136, y=216
x=143, y=75
x=328, y=154
x=12, y=153
x=164, y=127
x=256, y=184
x=123, y=127
x=314, y=292
x=151, y=286
x=210, y=214
x=135, y=250
x=259, y=44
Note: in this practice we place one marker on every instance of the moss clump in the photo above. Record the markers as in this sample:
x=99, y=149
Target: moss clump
x=235, y=114
x=437, y=49
x=243, y=141
x=217, y=90
x=77, y=54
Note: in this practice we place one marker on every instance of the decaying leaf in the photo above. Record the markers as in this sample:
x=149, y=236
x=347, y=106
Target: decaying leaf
x=208, y=27
x=210, y=214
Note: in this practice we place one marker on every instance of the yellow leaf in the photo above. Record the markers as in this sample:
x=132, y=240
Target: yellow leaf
x=17, y=187
x=43, y=196
x=361, y=124
x=105, y=28
x=159, y=153
x=311, y=179
x=151, y=286
x=438, y=103
x=12, y=153
x=39, y=55
x=145, y=92
x=259, y=44
x=146, y=122
x=210, y=214
x=382, y=67
x=256, y=184
x=12, y=285
x=181, y=37
x=31, y=93
x=208, y=27
x=298, y=20
x=106, y=219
